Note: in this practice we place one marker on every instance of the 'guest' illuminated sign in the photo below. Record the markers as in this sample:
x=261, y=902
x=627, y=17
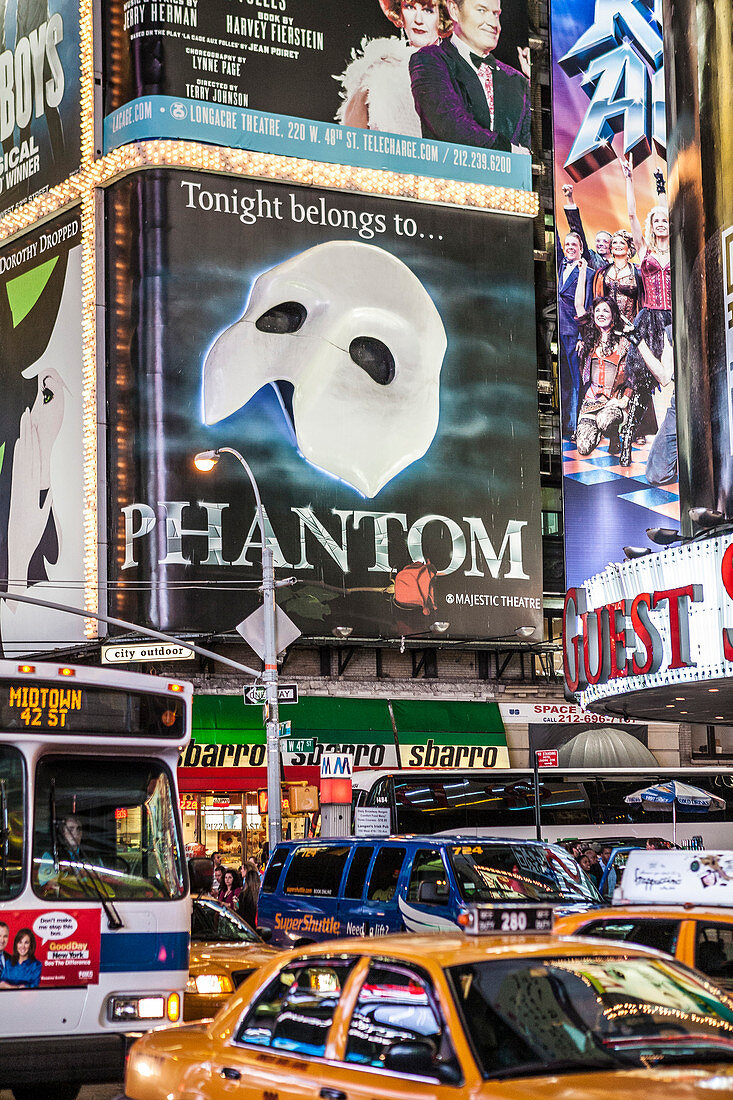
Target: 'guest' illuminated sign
x=663, y=619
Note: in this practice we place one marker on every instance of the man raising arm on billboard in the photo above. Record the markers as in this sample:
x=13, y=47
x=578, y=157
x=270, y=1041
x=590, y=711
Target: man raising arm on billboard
x=463, y=94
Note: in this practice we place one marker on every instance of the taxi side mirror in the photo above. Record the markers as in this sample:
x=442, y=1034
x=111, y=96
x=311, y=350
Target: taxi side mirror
x=418, y=1057
x=264, y=934
x=412, y=1057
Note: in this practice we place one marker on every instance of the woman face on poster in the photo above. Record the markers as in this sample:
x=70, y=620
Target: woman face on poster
x=421, y=22
x=31, y=502
x=24, y=947
x=621, y=248
x=603, y=315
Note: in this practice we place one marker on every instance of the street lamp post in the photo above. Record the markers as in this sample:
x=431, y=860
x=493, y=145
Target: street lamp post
x=205, y=461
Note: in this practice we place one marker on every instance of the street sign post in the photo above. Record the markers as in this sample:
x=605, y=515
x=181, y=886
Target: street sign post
x=285, y=729
x=298, y=744
x=543, y=758
x=256, y=695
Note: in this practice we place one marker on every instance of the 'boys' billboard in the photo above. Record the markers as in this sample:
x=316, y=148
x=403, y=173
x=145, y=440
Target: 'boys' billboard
x=375, y=371
x=40, y=116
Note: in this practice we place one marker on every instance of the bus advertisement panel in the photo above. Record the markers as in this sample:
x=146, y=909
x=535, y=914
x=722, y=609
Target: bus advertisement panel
x=41, y=438
x=388, y=84
x=612, y=241
x=49, y=948
x=377, y=373
x=40, y=75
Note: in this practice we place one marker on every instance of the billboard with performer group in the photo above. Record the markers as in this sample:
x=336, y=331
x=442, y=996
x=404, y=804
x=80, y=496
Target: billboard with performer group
x=614, y=336
x=40, y=112
x=369, y=83
x=375, y=369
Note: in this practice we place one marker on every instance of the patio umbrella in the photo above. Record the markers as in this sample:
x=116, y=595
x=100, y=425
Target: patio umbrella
x=673, y=795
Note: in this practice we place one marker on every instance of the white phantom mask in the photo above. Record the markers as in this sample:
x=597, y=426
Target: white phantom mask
x=362, y=343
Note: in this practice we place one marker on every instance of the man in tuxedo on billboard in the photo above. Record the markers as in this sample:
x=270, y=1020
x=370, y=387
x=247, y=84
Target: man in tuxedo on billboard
x=463, y=94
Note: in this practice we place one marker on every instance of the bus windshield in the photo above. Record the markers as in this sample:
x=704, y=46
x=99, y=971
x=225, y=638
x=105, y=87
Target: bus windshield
x=105, y=827
x=12, y=831
x=510, y=872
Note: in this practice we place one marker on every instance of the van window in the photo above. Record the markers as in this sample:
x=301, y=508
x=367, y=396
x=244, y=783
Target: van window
x=272, y=874
x=316, y=871
x=385, y=873
x=357, y=872
x=428, y=878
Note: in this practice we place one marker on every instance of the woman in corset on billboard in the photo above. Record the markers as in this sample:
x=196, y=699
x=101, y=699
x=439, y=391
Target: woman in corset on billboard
x=653, y=246
x=376, y=87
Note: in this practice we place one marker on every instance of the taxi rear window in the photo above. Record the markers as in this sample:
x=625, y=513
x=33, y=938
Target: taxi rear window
x=316, y=871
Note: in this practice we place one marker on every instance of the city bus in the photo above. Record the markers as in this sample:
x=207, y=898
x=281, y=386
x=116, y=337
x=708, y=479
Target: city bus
x=573, y=803
x=94, y=897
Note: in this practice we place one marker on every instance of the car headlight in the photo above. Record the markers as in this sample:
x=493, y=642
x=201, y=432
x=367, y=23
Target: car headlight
x=215, y=984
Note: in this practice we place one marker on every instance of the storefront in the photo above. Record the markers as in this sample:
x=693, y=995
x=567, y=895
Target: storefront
x=222, y=774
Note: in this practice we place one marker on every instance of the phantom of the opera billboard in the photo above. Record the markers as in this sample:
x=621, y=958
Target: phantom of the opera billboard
x=40, y=115
x=619, y=444
x=41, y=443
x=373, y=362
x=387, y=84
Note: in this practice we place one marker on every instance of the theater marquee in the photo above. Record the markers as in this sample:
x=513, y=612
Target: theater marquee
x=653, y=637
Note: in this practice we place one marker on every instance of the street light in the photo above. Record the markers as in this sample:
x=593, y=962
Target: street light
x=205, y=461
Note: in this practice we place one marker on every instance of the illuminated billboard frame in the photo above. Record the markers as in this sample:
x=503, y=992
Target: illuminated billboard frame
x=652, y=637
x=97, y=172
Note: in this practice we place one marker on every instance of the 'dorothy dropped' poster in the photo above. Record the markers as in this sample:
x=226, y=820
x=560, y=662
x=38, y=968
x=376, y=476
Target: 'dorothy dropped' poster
x=41, y=446
x=616, y=368
x=370, y=83
x=39, y=96
x=375, y=371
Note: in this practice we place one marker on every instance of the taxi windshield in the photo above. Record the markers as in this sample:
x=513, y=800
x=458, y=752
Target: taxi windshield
x=533, y=1015
x=513, y=872
x=105, y=828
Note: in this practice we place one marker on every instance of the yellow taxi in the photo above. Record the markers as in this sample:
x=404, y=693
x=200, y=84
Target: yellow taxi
x=506, y=1016
x=224, y=952
x=677, y=902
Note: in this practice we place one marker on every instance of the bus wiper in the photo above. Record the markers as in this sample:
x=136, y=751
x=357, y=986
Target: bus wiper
x=114, y=920
x=4, y=834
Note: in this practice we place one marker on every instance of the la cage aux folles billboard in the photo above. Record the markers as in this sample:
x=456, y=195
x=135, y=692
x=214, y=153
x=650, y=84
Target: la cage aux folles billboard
x=612, y=227
x=373, y=361
x=40, y=113
x=367, y=83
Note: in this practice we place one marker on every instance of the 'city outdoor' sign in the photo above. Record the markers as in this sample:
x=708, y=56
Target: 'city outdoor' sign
x=664, y=619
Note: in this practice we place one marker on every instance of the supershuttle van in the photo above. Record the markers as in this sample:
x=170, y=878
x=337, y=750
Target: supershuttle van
x=316, y=890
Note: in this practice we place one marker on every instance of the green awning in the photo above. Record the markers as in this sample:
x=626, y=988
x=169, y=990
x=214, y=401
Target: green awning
x=225, y=719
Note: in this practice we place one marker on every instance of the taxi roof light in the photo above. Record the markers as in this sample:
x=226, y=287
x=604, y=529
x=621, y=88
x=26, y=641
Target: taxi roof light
x=511, y=920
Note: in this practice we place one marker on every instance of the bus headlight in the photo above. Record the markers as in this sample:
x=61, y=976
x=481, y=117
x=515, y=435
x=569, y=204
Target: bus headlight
x=216, y=984
x=144, y=1007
